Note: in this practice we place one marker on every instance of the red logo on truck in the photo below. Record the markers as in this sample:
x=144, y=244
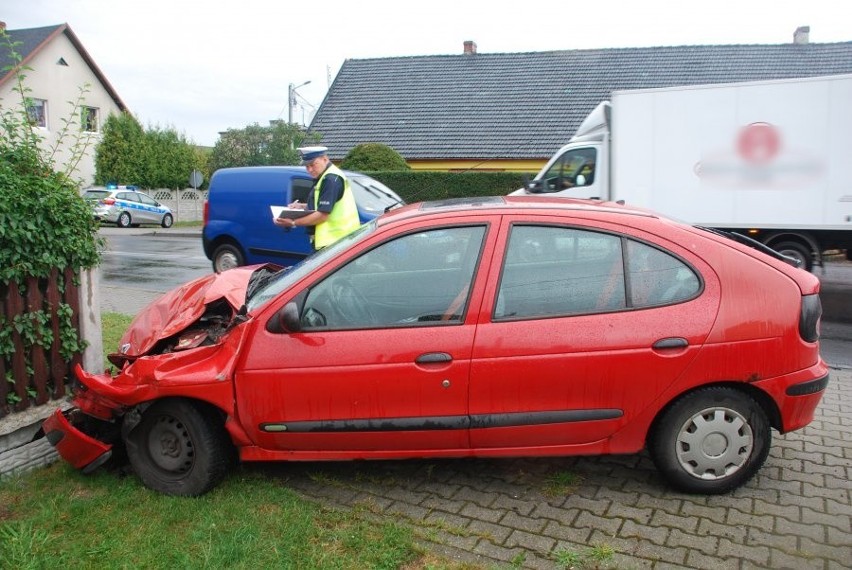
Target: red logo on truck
x=759, y=159
x=759, y=142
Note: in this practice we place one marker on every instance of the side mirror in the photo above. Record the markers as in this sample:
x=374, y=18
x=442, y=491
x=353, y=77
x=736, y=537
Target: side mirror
x=580, y=180
x=534, y=186
x=286, y=320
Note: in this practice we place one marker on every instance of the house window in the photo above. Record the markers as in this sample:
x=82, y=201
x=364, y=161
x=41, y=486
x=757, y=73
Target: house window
x=37, y=112
x=90, y=119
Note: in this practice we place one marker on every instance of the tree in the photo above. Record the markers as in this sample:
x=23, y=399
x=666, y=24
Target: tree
x=373, y=157
x=117, y=156
x=152, y=158
x=168, y=159
x=259, y=146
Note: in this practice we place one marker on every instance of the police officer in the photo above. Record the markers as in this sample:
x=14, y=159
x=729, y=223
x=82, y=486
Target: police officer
x=333, y=213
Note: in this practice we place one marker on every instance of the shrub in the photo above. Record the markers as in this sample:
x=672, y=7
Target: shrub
x=373, y=156
x=44, y=224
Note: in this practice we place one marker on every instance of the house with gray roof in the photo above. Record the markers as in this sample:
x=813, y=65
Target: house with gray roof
x=58, y=69
x=512, y=111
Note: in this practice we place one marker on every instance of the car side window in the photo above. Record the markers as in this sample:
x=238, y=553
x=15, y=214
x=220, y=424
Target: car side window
x=551, y=271
x=419, y=279
x=657, y=277
x=560, y=271
x=148, y=201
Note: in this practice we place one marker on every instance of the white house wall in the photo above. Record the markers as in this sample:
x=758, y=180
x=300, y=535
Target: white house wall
x=60, y=85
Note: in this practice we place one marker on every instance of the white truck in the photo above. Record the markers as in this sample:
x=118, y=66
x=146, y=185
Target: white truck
x=767, y=159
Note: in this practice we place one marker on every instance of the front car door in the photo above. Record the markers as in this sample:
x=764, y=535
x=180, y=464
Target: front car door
x=383, y=358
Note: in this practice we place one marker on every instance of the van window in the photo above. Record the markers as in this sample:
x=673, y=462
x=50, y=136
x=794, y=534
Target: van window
x=301, y=189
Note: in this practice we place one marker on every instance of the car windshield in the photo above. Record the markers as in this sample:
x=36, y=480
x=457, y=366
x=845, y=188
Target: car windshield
x=283, y=279
x=372, y=195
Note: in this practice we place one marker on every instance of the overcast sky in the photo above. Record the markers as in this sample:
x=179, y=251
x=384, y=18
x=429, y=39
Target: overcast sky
x=204, y=66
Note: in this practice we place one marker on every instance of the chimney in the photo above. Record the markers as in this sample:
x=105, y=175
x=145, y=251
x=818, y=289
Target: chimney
x=800, y=37
x=470, y=47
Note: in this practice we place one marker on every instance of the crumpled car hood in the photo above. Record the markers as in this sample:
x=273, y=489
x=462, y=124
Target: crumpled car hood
x=181, y=307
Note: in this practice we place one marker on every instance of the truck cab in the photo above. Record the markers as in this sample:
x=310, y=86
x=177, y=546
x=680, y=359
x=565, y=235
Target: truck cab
x=580, y=169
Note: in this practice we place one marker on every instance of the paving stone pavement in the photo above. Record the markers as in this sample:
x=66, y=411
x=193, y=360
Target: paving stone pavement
x=617, y=513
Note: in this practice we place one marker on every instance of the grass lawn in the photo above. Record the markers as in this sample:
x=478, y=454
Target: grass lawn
x=55, y=517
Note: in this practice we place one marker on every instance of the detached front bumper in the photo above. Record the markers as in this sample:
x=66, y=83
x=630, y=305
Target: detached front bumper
x=74, y=446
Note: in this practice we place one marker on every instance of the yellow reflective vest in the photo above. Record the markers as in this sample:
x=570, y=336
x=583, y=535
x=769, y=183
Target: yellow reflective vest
x=343, y=219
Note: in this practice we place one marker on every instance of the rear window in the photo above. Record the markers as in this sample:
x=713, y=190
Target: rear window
x=95, y=194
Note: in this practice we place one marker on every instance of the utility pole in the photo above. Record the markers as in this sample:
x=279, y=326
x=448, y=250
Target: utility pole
x=291, y=99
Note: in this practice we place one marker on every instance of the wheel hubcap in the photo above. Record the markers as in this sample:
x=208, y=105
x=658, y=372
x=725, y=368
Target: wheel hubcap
x=226, y=261
x=170, y=445
x=714, y=443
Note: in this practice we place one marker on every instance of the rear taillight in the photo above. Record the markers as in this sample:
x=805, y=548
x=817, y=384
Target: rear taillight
x=206, y=215
x=809, y=319
x=109, y=201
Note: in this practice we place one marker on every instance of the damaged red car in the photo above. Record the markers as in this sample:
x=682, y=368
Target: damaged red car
x=490, y=327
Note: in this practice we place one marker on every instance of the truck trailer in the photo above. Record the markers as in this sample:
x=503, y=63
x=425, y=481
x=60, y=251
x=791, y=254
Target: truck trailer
x=767, y=159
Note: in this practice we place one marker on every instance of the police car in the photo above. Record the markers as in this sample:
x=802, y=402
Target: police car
x=126, y=206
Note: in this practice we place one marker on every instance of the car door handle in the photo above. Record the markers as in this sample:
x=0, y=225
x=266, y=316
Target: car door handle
x=433, y=357
x=668, y=343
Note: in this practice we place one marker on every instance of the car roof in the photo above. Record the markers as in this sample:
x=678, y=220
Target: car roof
x=509, y=204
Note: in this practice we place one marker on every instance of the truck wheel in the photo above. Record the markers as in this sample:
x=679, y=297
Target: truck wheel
x=179, y=449
x=227, y=256
x=797, y=251
x=123, y=220
x=711, y=441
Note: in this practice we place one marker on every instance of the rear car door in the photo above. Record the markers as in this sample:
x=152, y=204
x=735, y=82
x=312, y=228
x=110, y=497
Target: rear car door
x=587, y=325
x=383, y=359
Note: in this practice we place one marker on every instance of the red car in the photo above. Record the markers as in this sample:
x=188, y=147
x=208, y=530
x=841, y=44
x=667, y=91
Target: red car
x=501, y=326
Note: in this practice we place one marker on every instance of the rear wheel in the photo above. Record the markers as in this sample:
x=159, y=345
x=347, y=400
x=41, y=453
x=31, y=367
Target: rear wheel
x=168, y=220
x=123, y=220
x=797, y=251
x=227, y=256
x=179, y=448
x=711, y=441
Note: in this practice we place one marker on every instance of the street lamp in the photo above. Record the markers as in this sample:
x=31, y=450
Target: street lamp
x=291, y=99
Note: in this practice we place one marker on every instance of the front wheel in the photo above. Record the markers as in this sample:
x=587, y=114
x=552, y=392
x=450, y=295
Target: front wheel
x=179, y=448
x=711, y=441
x=227, y=256
x=168, y=220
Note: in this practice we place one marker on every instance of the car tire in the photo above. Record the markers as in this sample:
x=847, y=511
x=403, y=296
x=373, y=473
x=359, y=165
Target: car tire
x=711, y=441
x=179, y=448
x=797, y=251
x=123, y=220
x=227, y=256
x=168, y=220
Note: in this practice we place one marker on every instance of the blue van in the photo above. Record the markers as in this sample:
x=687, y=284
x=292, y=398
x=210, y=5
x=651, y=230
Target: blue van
x=238, y=227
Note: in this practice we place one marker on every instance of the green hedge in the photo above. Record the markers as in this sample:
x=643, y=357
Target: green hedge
x=416, y=186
